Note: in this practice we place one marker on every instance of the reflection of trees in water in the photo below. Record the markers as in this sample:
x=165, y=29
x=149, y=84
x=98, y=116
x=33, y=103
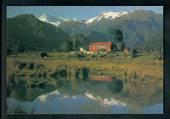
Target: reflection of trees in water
x=64, y=71
x=85, y=72
x=135, y=92
x=21, y=91
x=60, y=72
x=140, y=94
x=82, y=73
x=18, y=88
x=116, y=85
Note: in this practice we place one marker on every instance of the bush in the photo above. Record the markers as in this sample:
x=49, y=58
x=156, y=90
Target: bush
x=44, y=54
x=93, y=56
x=158, y=55
x=134, y=53
x=39, y=66
x=102, y=54
x=79, y=55
x=22, y=65
x=31, y=66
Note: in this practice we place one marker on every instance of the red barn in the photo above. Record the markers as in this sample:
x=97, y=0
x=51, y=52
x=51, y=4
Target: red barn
x=97, y=46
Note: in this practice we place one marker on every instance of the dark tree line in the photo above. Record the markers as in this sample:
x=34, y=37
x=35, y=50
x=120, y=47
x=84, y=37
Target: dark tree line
x=71, y=44
x=15, y=47
x=118, y=39
x=74, y=43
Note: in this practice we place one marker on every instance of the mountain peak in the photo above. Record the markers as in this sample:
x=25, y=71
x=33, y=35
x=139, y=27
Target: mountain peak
x=106, y=15
x=51, y=19
x=113, y=14
x=46, y=17
x=25, y=16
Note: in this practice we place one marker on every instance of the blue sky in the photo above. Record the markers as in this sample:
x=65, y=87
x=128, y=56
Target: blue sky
x=79, y=12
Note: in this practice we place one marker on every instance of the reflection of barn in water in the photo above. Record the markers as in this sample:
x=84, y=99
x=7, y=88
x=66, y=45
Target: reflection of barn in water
x=101, y=78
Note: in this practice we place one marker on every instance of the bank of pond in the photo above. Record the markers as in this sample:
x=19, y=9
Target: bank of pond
x=64, y=87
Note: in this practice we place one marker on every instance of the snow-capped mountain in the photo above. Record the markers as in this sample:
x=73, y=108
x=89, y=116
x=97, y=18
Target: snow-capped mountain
x=51, y=19
x=58, y=20
x=106, y=15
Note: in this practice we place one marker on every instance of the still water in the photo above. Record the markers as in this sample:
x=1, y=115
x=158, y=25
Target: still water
x=95, y=95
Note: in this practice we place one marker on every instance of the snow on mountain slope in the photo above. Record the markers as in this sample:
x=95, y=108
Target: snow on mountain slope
x=106, y=15
x=57, y=20
x=51, y=19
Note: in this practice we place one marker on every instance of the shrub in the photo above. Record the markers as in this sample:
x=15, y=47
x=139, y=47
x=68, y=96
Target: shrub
x=22, y=65
x=31, y=65
x=39, y=66
x=44, y=54
x=158, y=55
x=102, y=55
x=79, y=55
x=93, y=56
x=134, y=53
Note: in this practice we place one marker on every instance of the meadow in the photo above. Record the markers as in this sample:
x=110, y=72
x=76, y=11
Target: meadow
x=145, y=66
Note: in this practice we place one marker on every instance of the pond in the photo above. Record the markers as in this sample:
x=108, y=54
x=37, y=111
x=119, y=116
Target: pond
x=92, y=95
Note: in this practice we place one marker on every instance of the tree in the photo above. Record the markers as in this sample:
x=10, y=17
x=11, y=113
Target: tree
x=117, y=33
x=114, y=47
x=79, y=40
x=15, y=47
x=66, y=45
x=76, y=44
x=118, y=37
x=154, y=42
x=120, y=46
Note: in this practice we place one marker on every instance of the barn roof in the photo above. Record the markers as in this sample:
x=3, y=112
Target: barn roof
x=102, y=43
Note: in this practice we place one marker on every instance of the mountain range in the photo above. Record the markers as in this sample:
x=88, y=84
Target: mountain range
x=27, y=31
x=140, y=27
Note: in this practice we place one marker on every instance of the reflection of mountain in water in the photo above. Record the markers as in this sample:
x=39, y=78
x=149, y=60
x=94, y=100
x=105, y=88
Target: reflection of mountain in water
x=55, y=102
x=105, y=94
